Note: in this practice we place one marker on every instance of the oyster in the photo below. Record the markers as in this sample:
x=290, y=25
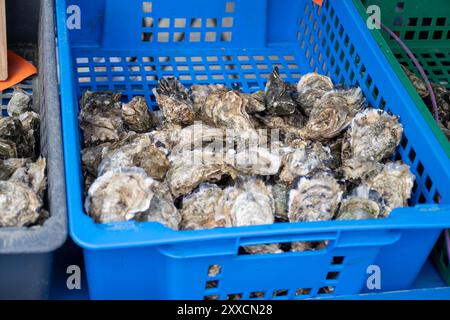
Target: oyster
x=249, y=202
x=254, y=102
x=19, y=102
x=355, y=169
x=162, y=208
x=190, y=168
x=373, y=136
x=254, y=161
x=443, y=101
x=306, y=159
x=332, y=113
x=394, y=183
x=310, y=89
x=200, y=209
x=314, y=199
x=135, y=150
x=11, y=130
x=32, y=174
x=100, y=117
x=136, y=115
x=279, y=99
x=119, y=195
x=418, y=83
x=200, y=136
x=30, y=121
x=19, y=205
x=361, y=205
x=91, y=158
x=200, y=93
x=9, y=166
x=30, y=125
x=174, y=101
x=166, y=136
x=7, y=149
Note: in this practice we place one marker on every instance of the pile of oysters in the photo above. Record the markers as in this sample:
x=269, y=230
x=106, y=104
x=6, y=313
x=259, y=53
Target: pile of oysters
x=217, y=157
x=442, y=99
x=22, y=171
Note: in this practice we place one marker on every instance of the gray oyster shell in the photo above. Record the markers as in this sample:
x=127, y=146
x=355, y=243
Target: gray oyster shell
x=100, y=117
x=174, y=101
x=19, y=205
x=305, y=159
x=200, y=210
x=33, y=175
x=254, y=161
x=9, y=166
x=162, y=208
x=254, y=102
x=200, y=136
x=280, y=192
x=363, y=204
x=135, y=150
x=250, y=202
x=310, y=89
x=332, y=114
x=119, y=195
x=7, y=149
x=394, y=183
x=200, y=93
x=19, y=102
x=91, y=158
x=279, y=99
x=137, y=116
x=314, y=199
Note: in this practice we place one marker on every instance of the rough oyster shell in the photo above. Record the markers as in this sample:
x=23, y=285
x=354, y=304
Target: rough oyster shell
x=119, y=195
x=226, y=109
x=394, y=184
x=200, y=136
x=361, y=205
x=166, y=136
x=9, y=166
x=100, y=117
x=136, y=115
x=200, y=93
x=254, y=161
x=190, y=168
x=19, y=205
x=91, y=158
x=250, y=202
x=332, y=113
x=135, y=150
x=314, y=199
x=174, y=101
x=19, y=102
x=280, y=192
x=306, y=159
x=310, y=89
x=32, y=174
x=418, y=83
x=279, y=99
x=7, y=149
x=162, y=208
x=254, y=102
x=11, y=129
x=201, y=211
x=373, y=136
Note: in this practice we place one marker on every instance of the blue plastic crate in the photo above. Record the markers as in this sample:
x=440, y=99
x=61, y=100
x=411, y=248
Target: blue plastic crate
x=127, y=46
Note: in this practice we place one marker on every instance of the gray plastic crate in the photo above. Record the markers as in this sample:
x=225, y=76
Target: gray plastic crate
x=26, y=253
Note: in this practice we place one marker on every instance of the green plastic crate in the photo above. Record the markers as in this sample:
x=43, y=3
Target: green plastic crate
x=424, y=26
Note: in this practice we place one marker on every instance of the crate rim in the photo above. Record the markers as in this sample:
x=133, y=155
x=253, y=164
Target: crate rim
x=23, y=240
x=385, y=48
x=89, y=235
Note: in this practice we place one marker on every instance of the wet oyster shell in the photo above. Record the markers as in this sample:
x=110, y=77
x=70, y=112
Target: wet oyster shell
x=19, y=102
x=173, y=99
x=394, y=184
x=162, y=208
x=137, y=116
x=100, y=117
x=310, y=89
x=306, y=159
x=314, y=199
x=200, y=209
x=279, y=99
x=19, y=205
x=363, y=204
x=373, y=136
x=119, y=195
x=135, y=150
x=32, y=174
x=333, y=113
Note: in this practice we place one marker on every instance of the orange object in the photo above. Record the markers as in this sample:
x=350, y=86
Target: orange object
x=319, y=2
x=19, y=69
